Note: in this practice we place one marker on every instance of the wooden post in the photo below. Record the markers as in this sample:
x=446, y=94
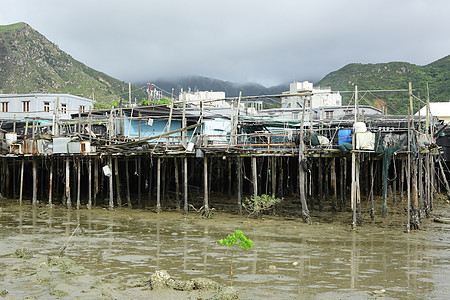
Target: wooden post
x=274, y=175
x=96, y=183
x=353, y=194
x=78, y=183
x=372, y=178
x=427, y=185
x=185, y=189
x=255, y=176
x=229, y=178
x=408, y=177
x=402, y=183
x=111, y=186
x=205, y=185
x=394, y=186
x=35, y=187
x=116, y=173
x=158, y=186
x=50, y=184
x=139, y=181
x=127, y=177
x=177, y=184
x=68, y=202
x=21, y=181
x=150, y=180
x=420, y=183
x=89, y=204
x=358, y=191
x=239, y=184
x=320, y=183
x=342, y=183
x=334, y=183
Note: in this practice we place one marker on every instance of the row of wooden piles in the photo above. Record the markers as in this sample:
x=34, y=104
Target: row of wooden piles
x=220, y=180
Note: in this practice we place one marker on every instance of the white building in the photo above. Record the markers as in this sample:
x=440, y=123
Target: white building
x=209, y=98
x=440, y=110
x=42, y=106
x=320, y=96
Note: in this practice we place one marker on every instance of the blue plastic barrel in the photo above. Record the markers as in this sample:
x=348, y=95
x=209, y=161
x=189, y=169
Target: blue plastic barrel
x=344, y=136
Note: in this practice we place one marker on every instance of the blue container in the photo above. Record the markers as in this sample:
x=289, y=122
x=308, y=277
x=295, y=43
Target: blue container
x=344, y=136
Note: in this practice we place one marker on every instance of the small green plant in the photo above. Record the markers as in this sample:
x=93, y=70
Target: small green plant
x=256, y=204
x=231, y=240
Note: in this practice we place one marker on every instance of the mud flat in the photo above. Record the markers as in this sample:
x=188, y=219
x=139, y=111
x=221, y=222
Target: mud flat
x=112, y=255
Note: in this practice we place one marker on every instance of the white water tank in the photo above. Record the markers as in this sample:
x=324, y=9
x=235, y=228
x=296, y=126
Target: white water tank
x=359, y=127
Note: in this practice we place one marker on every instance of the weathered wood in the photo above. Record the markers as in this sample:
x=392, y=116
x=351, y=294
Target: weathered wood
x=89, y=204
x=127, y=178
x=158, y=186
x=35, y=186
x=139, y=182
x=353, y=194
x=177, y=183
x=254, y=176
x=334, y=183
x=372, y=203
x=68, y=201
x=239, y=184
x=205, y=185
x=342, y=184
x=78, y=183
x=274, y=175
x=229, y=178
x=185, y=185
x=116, y=174
x=320, y=179
x=21, y=181
x=96, y=181
x=402, y=183
x=111, y=185
x=50, y=184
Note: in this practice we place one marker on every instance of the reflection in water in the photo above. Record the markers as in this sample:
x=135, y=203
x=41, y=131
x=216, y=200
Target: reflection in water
x=307, y=261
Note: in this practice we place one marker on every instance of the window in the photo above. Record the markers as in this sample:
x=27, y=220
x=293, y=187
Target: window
x=46, y=106
x=25, y=106
x=328, y=114
x=63, y=108
x=81, y=110
x=5, y=106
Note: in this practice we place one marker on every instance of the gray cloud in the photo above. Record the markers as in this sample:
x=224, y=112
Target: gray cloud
x=262, y=41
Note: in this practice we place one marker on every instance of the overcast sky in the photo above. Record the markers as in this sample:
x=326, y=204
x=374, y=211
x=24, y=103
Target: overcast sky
x=267, y=42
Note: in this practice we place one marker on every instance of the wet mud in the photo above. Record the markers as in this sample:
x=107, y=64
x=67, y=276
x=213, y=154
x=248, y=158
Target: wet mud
x=44, y=254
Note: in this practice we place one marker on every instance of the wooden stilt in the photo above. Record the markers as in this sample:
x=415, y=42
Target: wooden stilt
x=239, y=184
x=14, y=178
x=177, y=184
x=96, y=183
x=185, y=185
x=402, y=182
x=427, y=185
x=111, y=185
x=150, y=180
x=139, y=181
x=274, y=175
x=158, y=186
x=319, y=160
x=281, y=177
x=127, y=177
x=205, y=185
x=50, y=184
x=342, y=183
x=394, y=184
x=334, y=183
x=254, y=176
x=359, y=219
x=116, y=174
x=35, y=186
x=372, y=178
x=68, y=201
x=21, y=181
x=229, y=178
x=78, y=184
x=89, y=204
x=353, y=194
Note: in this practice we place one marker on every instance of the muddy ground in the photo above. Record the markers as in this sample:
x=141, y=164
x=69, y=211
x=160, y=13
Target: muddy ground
x=112, y=254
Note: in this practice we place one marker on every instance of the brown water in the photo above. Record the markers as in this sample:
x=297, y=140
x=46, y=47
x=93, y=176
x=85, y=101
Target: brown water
x=289, y=259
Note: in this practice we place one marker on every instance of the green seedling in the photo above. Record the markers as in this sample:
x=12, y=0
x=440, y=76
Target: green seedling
x=256, y=204
x=231, y=240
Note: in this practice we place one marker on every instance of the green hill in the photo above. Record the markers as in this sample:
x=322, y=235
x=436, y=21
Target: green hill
x=30, y=63
x=389, y=76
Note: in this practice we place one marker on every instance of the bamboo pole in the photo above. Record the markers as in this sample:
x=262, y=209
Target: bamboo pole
x=96, y=183
x=334, y=183
x=116, y=173
x=239, y=184
x=139, y=181
x=408, y=177
x=255, y=176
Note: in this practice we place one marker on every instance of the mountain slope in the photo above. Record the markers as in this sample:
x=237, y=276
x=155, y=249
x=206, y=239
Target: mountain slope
x=393, y=75
x=30, y=63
